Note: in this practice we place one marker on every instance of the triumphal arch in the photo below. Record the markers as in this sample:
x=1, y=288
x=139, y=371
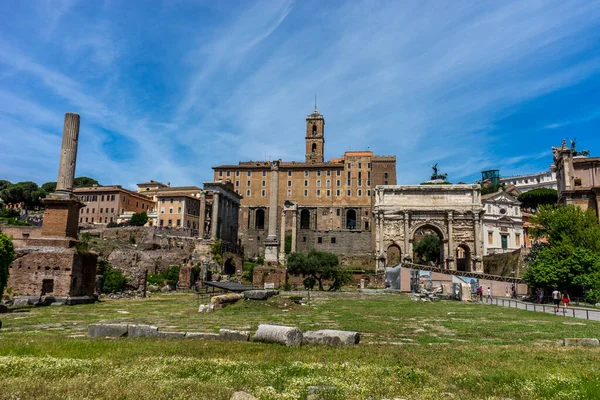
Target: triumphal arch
x=405, y=214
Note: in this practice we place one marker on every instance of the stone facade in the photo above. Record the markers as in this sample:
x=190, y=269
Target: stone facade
x=525, y=183
x=406, y=213
x=104, y=204
x=502, y=223
x=578, y=179
x=327, y=195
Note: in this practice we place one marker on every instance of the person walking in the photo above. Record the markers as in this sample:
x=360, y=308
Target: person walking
x=556, y=299
x=479, y=293
x=540, y=295
x=565, y=299
x=489, y=295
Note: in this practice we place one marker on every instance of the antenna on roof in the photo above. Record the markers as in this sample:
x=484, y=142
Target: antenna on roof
x=315, y=102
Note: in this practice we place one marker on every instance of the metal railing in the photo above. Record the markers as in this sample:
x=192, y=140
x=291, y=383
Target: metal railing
x=469, y=274
x=574, y=312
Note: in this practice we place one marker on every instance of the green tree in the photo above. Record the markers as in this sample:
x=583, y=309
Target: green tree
x=428, y=248
x=113, y=280
x=49, y=187
x=570, y=259
x=4, y=184
x=535, y=198
x=139, y=219
x=320, y=266
x=7, y=254
x=84, y=181
x=27, y=193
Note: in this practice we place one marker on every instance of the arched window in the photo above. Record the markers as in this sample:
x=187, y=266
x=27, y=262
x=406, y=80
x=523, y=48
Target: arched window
x=314, y=130
x=463, y=257
x=350, y=219
x=259, y=219
x=304, y=219
x=314, y=148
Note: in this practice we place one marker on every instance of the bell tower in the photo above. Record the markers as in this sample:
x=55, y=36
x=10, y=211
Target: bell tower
x=315, y=139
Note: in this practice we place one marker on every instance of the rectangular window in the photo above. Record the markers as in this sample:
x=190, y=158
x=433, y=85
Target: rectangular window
x=237, y=173
x=305, y=193
x=319, y=240
x=161, y=222
x=92, y=219
x=349, y=165
x=359, y=192
x=178, y=222
x=349, y=193
x=289, y=193
x=328, y=183
x=332, y=240
x=328, y=172
x=162, y=210
x=290, y=173
x=349, y=183
x=338, y=182
x=318, y=192
x=93, y=210
x=328, y=192
x=318, y=173
x=105, y=219
x=248, y=193
x=263, y=193
x=338, y=211
x=385, y=182
x=228, y=173
x=179, y=210
x=112, y=210
x=102, y=198
x=170, y=222
x=248, y=183
x=490, y=237
x=123, y=200
x=80, y=219
x=305, y=173
x=369, y=193
x=338, y=172
x=170, y=211
x=237, y=183
x=220, y=173
x=359, y=166
x=305, y=183
x=385, y=175
x=264, y=173
x=338, y=192
x=112, y=197
x=111, y=219
x=289, y=183
x=369, y=165
x=86, y=219
x=264, y=183
x=249, y=173
x=318, y=183
x=137, y=203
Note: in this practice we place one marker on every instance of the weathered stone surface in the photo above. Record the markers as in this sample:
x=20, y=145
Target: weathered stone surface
x=581, y=342
x=260, y=294
x=171, y=335
x=20, y=302
x=107, y=330
x=242, y=396
x=331, y=337
x=142, y=331
x=206, y=307
x=286, y=335
x=165, y=289
x=224, y=299
x=152, y=288
x=202, y=336
x=228, y=334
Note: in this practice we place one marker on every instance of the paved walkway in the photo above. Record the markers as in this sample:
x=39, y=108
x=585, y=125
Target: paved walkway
x=573, y=312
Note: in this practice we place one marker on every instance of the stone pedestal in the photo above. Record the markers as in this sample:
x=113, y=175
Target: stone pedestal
x=271, y=251
x=61, y=217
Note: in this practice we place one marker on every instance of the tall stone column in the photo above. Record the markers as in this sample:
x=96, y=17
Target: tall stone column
x=407, y=247
x=450, y=258
x=282, y=233
x=271, y=242
x=68, y=156
x=202, y=214
x=61, y=214
x=294, y=229
x=214, y=219
x=478, y=241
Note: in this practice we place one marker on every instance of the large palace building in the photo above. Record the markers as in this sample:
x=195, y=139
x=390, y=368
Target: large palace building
x=326, y=205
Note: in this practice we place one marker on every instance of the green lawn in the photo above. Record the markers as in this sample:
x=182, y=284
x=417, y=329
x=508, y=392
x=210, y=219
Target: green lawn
x=443, y=350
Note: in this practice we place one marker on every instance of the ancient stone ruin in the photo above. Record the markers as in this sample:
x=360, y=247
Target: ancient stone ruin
x=50, y=268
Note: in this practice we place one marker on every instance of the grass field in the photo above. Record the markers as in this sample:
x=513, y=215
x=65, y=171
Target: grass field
x=442, y=350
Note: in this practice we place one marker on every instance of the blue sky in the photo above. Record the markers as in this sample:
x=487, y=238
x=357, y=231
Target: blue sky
x=168, y=89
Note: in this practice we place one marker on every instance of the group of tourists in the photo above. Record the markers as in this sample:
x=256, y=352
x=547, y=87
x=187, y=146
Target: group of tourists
x=488, y=294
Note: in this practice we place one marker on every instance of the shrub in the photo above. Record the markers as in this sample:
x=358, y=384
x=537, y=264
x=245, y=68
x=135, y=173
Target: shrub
x=7, y=254
x=171, y=276
x=139, y=219
x=9, y=213
x=112, y=224
x=113, y=279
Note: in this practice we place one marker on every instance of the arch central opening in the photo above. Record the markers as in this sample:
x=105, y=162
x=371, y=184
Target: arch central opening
x=427, y=245
x=463, y=257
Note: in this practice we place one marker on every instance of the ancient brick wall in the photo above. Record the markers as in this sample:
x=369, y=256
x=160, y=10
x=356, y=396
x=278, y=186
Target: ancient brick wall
x=21, y=234
x=348, y=243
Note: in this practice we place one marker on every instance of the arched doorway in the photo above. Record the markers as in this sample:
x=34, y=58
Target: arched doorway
x=393, y=255
x=314, y=130
x=350, y=219
x=229, y=267
x=463, y=257
x=314, y=148
x=259, y=219
x=428, y=245
x=304, y=219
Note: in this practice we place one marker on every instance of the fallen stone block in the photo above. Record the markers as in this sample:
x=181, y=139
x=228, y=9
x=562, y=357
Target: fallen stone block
x=107, y=330
x=202, y=336
x=142, y=331
x=228, y=334
x=286, y=335
x=171, y=335
x=260, y=294
x=224, y=299
x=331, y=337
x=22, y=301
x=206, y=308
x=581, y=342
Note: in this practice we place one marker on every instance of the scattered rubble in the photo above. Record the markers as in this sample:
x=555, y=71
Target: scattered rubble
x=581, y=342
